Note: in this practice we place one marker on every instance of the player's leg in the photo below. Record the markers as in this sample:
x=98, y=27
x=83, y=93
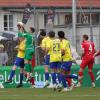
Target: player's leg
x=69, y=80
x=28, y=73
x=90, y=67
x=66, y=67
x=21, y=78
x=32, y=78
x=80, y=73
x=12, y=73
x=53, y=74
x=46, y=71
x=59, y=74
x=68, y=70
x=21, y=65
x=28, y=67
x=63, y=79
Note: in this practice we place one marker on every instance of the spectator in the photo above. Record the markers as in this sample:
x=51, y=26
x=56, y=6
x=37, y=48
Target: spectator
x=3, y=56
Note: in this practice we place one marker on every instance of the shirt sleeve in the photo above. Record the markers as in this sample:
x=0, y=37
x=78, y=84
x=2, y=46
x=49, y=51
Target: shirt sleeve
x=43, y=43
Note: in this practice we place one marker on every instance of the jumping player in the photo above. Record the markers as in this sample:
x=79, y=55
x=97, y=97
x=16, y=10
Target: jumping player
x=29, y=51
x=88, y=50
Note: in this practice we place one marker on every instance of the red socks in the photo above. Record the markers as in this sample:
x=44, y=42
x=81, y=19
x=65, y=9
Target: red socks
x=80, y=74
x=92, y=76
x=69, y=80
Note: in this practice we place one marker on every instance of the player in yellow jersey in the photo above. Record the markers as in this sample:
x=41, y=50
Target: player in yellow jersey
x=66, y=59
x=44, y=43
x=19, y=61
x=54, y=50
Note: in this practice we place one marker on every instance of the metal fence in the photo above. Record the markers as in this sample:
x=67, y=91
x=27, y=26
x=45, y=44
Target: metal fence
x=9, y=48
x=39, y=53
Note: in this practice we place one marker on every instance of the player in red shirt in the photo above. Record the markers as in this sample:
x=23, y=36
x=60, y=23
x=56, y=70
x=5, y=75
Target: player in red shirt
x=88, y=50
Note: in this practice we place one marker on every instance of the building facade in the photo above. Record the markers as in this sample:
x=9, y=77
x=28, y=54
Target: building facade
x=88, y=17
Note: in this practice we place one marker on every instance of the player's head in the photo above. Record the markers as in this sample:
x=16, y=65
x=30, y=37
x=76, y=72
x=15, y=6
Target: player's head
x=51, y=34
x=61, y=34
x=42, y=33
x=85, y=37
x=32, y=29
x=20, y=25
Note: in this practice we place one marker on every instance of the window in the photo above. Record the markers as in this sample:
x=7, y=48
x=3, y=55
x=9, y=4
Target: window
x=85, y=18
x=95, y=18
x=8, y=22
x=68, y=19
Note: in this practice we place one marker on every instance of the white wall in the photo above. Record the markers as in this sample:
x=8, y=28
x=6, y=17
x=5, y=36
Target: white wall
x=1, y=22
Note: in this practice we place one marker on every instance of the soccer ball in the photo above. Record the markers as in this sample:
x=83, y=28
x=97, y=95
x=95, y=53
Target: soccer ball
x=1, y=85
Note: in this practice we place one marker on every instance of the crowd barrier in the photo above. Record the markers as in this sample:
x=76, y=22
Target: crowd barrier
x=40, y=77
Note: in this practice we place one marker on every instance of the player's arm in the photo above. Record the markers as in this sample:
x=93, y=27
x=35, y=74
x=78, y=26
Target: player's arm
x=97, y=53
x=21, y=49
x=82, y=50
x=43, y=45
x=47, y=48
x=63, y=47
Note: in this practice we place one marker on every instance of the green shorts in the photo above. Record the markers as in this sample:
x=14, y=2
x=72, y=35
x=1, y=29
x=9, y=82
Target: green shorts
x=29, y=54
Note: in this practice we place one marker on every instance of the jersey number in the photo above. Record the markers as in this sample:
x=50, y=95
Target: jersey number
x=56, y=47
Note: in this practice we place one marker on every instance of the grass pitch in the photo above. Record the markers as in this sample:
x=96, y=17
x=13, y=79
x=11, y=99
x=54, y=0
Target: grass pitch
x=49, y=94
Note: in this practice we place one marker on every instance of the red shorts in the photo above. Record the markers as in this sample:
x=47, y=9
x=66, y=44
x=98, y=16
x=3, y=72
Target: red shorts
x=87, y=62
x=33, y=62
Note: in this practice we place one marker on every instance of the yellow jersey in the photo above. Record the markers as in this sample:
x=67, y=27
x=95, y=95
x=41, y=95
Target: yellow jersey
x=21, y=49
x=65, y=45
x=54, y=50
x=45, y=42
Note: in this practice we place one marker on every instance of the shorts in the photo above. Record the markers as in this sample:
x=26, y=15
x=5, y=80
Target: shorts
x=47, y=59
x=66, y=65
x=19, y=62
x=87, y=62
x=55, y=65
x=29, y=54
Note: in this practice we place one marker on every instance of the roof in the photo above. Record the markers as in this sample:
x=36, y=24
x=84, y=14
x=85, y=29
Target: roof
x=46, y=3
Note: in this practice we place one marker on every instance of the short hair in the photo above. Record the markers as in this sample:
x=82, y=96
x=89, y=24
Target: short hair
x=42, y=32
x=20, y=23
x=51, y=34
x=85, y=37
x=61, y=34
x=32, y=29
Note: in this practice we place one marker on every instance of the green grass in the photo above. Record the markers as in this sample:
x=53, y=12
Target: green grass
x=49, y=94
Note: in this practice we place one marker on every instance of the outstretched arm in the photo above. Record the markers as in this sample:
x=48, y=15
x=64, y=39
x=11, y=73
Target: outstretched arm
x=97, y=53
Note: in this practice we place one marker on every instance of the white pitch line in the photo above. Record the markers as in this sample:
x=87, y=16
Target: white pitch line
x=51, y=95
